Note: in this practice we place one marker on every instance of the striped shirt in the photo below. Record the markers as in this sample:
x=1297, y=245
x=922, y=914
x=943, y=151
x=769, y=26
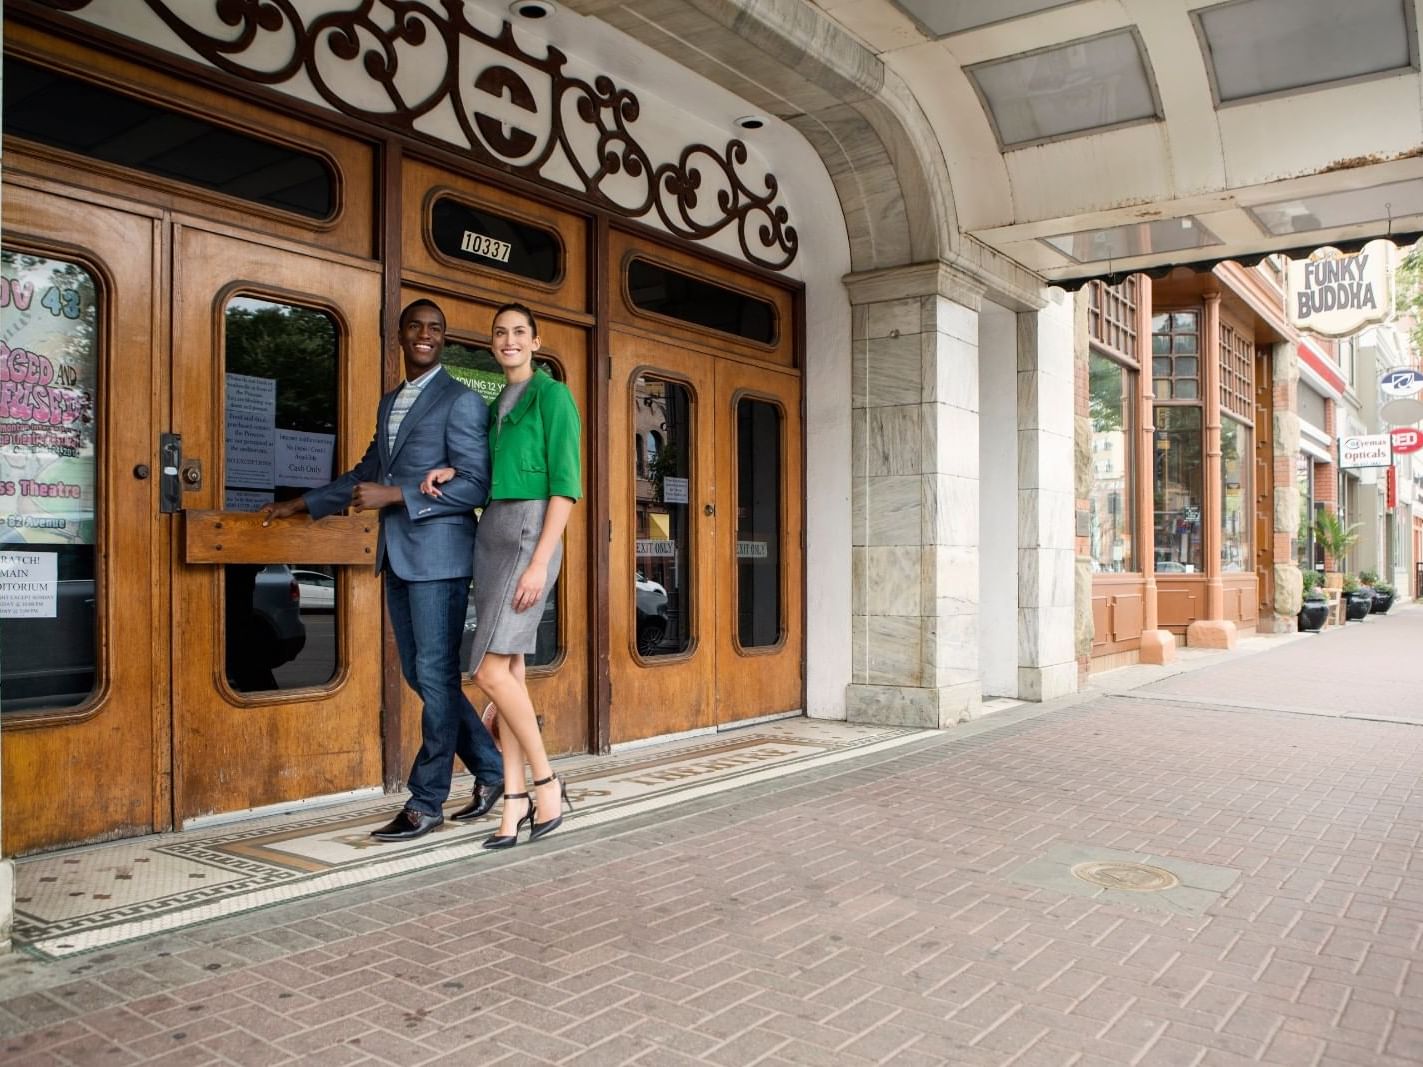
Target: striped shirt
x=404, y=401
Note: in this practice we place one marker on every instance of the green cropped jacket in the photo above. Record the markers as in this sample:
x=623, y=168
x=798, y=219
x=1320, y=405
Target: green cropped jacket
x=537, y=446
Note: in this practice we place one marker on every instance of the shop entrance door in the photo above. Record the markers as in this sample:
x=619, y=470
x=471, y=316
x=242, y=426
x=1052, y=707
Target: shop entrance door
x=164, y=657
x=705, y=558
x=82, y=653
x=276, y=632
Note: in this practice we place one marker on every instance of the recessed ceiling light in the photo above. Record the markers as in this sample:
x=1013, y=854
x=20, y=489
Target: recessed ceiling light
x=531, y=9
x=750, y=122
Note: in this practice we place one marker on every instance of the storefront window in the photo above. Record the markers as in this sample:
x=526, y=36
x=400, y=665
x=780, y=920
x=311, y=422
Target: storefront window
x=1175, y=355
x=49, y=482
x=1176, y=448
x=1112, y=388
x=1235, y=515
x=1304, y=536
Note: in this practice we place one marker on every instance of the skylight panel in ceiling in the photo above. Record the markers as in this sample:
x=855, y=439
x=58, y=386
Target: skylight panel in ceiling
x=1134, y=239
x=1328, y=211
x=1083, y=86
x=1255, y=48
x=941, y=18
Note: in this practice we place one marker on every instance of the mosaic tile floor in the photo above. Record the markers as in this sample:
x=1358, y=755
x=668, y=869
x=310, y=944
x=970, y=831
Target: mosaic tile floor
x=84, y=899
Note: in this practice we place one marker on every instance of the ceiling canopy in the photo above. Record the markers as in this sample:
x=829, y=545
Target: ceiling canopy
x=1089, y=138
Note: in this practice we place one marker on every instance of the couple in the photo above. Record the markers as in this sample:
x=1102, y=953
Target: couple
x=426, y=469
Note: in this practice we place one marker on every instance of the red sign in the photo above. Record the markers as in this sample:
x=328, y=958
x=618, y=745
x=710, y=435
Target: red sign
x=1406, y=440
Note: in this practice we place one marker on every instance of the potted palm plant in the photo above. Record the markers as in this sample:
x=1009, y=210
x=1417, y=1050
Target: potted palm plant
x=1314, y=611
x=1336, y=537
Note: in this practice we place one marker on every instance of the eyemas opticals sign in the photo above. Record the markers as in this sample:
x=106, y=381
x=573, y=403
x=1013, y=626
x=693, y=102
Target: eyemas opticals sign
x=1334, y=295
x=1365, y=450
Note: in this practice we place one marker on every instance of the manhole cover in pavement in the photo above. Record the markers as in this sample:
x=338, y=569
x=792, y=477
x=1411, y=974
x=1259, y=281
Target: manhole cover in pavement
x=1136, y=877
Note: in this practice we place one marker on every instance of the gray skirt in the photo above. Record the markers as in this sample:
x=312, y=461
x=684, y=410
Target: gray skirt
x=503, y=546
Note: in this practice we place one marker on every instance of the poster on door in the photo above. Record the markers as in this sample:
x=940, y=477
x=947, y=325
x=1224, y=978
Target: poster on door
x=49, y=385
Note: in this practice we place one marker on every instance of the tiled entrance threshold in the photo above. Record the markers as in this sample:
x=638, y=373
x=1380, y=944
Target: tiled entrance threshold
x=84, y=899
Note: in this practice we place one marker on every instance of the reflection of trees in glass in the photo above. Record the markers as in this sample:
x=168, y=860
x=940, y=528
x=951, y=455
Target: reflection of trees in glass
x=1104, y=395
x=294, y=346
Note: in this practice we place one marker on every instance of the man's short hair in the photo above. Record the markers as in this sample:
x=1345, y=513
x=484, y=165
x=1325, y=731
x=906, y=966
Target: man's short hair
x=421, y=303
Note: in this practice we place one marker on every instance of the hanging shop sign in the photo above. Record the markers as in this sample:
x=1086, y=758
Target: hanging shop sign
x=1334, y=294
x=1365, y=450
x=1402, y=392
x=1405, y=440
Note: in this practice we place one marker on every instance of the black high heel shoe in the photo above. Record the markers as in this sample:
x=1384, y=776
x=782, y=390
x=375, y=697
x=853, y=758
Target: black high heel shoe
x=510, y=840
x=538, y=829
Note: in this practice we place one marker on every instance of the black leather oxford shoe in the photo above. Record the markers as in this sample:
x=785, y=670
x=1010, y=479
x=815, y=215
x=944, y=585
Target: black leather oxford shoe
x=406, y=826
x=484, y=799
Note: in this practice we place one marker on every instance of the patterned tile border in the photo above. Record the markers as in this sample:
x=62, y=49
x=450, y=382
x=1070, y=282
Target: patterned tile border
x=82, y=900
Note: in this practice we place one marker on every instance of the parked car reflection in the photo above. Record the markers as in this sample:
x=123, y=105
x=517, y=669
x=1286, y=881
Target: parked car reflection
x=318, y=590
x=651, y=614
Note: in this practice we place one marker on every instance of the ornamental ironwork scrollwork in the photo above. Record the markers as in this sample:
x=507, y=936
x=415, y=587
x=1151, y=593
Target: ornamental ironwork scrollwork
x=408, y=65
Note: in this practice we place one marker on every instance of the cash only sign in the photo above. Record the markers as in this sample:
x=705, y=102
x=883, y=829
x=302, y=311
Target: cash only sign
x=1334, y=294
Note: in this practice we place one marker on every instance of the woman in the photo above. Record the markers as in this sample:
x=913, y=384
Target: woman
x=534, y=436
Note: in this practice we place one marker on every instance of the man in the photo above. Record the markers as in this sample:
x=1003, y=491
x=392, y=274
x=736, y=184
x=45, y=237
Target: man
x=426, y=551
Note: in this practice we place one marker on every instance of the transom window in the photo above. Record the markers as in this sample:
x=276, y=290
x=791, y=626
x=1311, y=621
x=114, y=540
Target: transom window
x=1175, y=355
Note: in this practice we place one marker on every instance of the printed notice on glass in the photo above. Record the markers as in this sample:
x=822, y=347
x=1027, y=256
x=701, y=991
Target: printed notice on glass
x=29, y=585
x=251, y=431
x=674, y=490
x=751, y=550
x=245, y=499
x=651, y=547
x=304, y=458
x=49, y=389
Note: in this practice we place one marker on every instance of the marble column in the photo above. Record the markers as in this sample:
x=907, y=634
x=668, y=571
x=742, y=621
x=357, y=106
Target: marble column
x=915, y=498
x=1289, y=583
x=1047, y=664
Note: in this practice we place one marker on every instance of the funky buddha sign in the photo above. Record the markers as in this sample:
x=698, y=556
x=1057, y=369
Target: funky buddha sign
x=1334, y=295
x=48, y=382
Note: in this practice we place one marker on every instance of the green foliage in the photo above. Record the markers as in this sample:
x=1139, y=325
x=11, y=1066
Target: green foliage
x=1333, y=535
x=1408, y=291
x=1312, y=580
x=297, y=348
x=1351, y=584
x=1384, y=588
x=1369, y=578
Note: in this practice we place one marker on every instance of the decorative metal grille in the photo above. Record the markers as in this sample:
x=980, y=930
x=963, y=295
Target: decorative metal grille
x=405, y=66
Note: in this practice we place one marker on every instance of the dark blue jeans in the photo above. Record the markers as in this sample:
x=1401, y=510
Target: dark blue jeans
x=428, y=620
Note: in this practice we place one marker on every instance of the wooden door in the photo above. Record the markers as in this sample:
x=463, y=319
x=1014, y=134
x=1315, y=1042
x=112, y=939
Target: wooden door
x=757, y=554
x=558, y=672
x=664, y=498
x=84, y=708
x=276, y=379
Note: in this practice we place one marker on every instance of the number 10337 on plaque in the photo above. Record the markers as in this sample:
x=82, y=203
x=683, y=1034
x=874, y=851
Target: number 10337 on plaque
x=480, y=245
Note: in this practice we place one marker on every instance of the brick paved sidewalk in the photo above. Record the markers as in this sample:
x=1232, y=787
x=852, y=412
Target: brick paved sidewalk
x=876, y=912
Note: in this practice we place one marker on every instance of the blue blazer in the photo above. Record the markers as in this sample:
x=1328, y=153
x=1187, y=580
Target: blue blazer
x=425, y=538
